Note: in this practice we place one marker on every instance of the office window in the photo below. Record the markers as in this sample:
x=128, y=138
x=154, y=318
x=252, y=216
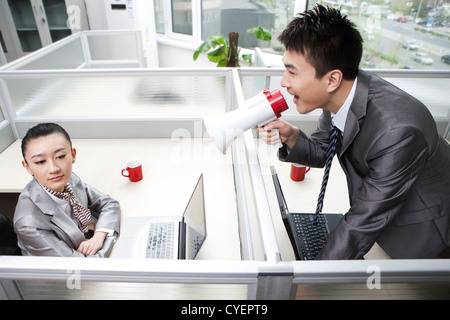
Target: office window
x=223, y=17
x=401, y=34
x=182, y=17
x=159, y=16
x=177, y=19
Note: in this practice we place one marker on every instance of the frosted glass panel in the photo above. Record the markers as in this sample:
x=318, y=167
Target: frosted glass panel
x=113, y=47
x=40, y=290
x=2, y=117
x=118, y=96
x=69, y=56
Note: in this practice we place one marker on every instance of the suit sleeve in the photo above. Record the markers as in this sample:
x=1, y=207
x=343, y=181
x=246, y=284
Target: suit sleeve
x=36, y=238
x=310, y=151
x=107, y=209
x=395, y=161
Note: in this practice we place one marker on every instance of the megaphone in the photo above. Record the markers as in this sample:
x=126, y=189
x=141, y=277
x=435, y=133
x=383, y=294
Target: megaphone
x=261, y=109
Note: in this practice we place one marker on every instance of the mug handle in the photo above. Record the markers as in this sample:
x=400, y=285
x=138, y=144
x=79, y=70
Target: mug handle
x=307, y=169
x=124, y=174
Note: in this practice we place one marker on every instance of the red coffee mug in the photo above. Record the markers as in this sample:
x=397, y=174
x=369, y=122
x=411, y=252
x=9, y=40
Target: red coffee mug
x=133, y=170
x=298, y=171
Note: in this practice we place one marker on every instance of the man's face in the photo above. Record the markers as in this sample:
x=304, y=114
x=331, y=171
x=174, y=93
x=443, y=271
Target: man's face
x=300, y=81
x=49, y=159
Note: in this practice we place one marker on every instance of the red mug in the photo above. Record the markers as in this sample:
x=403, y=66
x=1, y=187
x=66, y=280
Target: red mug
x=298, y=171
x=133, y=171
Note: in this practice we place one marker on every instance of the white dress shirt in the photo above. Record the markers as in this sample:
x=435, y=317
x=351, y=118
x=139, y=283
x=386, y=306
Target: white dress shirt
x=340, y=117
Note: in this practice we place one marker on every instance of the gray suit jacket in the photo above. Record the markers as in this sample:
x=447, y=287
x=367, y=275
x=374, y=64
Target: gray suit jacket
x=44, y=226
x=398, y=174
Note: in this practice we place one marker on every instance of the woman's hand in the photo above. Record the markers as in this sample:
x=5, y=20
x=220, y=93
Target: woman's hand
x=91, y=246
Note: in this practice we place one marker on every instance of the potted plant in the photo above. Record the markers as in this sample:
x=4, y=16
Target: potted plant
x=226, y=52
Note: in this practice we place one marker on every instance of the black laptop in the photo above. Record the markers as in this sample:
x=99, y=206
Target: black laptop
x=307, y=237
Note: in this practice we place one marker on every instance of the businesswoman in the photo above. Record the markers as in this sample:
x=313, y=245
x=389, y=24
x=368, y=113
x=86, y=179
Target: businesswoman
x=56, y=211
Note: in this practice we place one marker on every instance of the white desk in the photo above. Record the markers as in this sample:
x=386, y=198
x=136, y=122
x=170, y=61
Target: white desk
x=171, y=169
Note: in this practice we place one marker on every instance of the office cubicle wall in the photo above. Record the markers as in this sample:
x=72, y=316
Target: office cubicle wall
x=168, y=103
x=22, y=96
x=7, y=136
x=74, y=278
x=6, y=133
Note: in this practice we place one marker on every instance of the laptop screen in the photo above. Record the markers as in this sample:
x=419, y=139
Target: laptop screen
x=279, y=192
x=194, y=217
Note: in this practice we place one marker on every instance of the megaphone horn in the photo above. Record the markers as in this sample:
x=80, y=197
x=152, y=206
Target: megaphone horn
x=261, y=109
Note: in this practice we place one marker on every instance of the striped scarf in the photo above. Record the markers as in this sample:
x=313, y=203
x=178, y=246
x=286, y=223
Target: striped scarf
x=82, y=214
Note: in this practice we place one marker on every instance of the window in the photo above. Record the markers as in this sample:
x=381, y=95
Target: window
x=177, y=19
x=182, y=17
x=223, y=17
x=402, y=34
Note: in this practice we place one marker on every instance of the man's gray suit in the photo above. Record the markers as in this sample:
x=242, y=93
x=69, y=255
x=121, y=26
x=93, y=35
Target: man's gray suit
x=398, y=174
x=44, y=225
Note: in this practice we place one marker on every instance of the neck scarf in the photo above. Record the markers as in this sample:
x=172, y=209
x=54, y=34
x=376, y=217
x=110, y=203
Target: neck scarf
x=82, y=214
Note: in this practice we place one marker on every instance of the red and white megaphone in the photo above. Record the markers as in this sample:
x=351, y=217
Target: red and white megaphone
x=261, y=109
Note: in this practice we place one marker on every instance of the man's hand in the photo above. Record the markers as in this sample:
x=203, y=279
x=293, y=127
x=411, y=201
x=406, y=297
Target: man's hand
x=91, y=246
x=286, y=132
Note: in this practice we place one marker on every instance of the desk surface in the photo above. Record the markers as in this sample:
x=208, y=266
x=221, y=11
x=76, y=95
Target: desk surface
x=170, y=168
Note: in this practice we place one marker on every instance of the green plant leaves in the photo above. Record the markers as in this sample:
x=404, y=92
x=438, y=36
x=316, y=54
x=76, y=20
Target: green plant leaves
x=211, y=43
x=260, y=33
x=221, y=52
x=247, y=57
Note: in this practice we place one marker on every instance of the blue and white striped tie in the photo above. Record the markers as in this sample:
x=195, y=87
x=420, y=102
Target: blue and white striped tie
x=334, y=134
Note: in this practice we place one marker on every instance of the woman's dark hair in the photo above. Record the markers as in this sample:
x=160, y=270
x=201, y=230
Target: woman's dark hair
x=327, y=39
x=42, y=130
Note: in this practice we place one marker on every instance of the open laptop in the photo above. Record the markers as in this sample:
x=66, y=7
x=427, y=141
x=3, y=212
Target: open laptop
x=166, y=237
x=307, y=237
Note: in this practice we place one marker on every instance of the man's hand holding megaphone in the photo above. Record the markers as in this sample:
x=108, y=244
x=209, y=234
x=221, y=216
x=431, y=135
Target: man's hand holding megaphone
x=259, y=110
x=278, y=130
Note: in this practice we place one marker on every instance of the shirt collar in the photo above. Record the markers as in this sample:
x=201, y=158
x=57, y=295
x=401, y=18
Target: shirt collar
x=340, y=117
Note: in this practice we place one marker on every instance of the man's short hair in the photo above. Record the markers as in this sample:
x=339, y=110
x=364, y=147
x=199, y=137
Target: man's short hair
x=328, y=40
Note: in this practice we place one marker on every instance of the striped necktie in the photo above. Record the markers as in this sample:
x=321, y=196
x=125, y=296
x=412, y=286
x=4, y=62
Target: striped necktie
x=82, y=214
x=334, y=135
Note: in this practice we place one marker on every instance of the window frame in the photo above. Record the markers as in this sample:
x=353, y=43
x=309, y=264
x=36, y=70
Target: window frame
x=168, y=23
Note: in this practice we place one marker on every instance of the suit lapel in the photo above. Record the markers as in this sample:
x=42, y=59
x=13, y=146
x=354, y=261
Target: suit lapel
x=60, y=211
x=358, y=110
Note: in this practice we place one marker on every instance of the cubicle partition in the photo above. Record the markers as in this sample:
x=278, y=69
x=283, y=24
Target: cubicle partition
x=109, y=104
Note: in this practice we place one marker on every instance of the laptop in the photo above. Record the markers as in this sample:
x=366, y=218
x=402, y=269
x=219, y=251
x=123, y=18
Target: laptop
x=307, y=237
x=166, y=237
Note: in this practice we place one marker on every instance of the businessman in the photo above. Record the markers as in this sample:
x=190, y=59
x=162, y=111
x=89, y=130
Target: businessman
x=396, y=164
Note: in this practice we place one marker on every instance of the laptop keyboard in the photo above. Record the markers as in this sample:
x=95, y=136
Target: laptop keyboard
x=160, y=243
x=314, y=236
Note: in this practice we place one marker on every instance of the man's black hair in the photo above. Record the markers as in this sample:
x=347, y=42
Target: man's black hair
x=328, y=40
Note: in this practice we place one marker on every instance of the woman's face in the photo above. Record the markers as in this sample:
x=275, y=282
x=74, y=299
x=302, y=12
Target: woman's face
x=49, y=159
